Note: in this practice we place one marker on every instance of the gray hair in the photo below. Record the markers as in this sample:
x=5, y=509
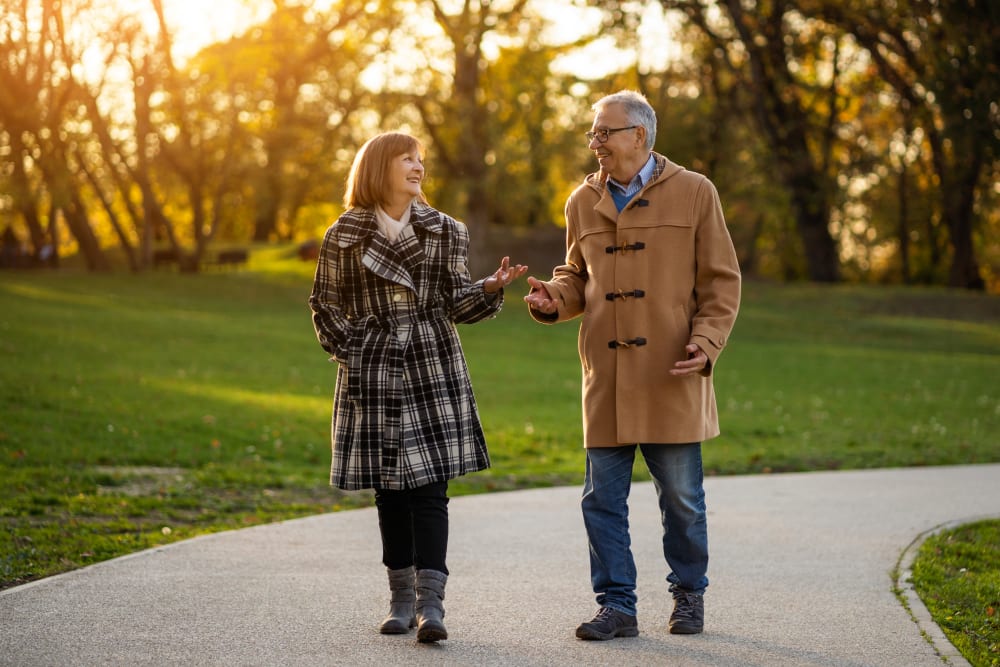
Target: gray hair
x=637, y=109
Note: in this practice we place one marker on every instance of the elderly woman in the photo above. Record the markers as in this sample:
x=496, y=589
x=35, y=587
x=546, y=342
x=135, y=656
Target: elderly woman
x=391, y=284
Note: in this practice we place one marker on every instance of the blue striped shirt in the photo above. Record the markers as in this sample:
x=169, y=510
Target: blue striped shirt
x=638, y=181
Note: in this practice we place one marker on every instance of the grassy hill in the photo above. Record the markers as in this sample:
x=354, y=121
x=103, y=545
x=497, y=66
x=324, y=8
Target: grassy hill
x=140, y=409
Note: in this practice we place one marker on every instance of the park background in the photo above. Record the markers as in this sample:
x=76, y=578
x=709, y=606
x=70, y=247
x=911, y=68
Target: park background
x=850, y=141
x=167, y=168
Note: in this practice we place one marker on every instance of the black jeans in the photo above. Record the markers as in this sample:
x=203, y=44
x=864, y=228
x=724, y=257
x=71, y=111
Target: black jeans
x=414, y=526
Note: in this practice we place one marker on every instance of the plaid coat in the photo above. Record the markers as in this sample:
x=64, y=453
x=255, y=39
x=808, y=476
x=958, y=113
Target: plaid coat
x=404, y=414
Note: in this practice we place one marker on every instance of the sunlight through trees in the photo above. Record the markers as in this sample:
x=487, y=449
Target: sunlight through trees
x=848, y=142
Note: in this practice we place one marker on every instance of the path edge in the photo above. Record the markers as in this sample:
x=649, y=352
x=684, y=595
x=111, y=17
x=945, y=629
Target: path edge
x=902, y=579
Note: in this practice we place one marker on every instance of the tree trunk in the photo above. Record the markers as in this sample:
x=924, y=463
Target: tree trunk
x=904, y=227
x=958, y=187
x=25, y=199
x=470, y=176
x=958, y=214
x=109, y=210
x=785, y=123
x=268, y=201
x=811, y=220
x=79, y=226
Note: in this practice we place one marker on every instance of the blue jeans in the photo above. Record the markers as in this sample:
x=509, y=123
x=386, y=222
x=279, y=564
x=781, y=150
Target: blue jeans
x=678, y=480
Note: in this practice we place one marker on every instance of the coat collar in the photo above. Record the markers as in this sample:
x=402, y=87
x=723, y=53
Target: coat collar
x=358, y=224
x=395, y=262
x=662, y=170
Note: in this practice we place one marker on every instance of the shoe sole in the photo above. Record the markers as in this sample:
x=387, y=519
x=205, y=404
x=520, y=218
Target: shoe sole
x=597, y=636
x=396, y=628
x=684, y=630
x=431, y=635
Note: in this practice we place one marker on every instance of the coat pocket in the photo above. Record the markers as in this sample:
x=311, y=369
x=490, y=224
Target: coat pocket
x=360, y=331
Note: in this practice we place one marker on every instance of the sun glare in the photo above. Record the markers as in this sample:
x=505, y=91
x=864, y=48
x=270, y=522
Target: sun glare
x=195, y=24
x=654, y=43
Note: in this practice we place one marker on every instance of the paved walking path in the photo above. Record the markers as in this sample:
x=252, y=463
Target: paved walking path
x=801, y=575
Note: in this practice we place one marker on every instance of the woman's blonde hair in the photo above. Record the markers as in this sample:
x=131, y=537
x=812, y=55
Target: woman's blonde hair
x=368, y=180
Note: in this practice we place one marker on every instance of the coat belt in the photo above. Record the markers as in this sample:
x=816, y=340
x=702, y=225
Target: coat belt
x=412, y=317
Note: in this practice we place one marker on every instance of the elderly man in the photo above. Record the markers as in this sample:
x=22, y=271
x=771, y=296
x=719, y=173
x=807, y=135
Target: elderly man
x=651, y=267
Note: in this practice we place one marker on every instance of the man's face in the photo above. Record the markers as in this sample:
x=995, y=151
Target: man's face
x=623, y=148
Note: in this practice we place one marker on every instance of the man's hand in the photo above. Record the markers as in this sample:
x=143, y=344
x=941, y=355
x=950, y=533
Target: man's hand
x=539, y=298
x=695, y=363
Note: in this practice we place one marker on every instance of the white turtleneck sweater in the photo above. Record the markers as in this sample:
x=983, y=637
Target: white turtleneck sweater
x=389, y=226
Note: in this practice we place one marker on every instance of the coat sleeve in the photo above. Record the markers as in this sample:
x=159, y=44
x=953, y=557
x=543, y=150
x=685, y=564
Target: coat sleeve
x=468, y=301
x=569, y=280
x=331, y=324
x=717, y=277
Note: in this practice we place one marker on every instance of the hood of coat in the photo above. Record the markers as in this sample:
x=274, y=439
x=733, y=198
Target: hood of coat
x=663, y=170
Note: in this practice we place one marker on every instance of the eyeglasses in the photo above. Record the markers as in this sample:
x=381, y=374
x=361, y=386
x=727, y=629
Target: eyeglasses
x=604, y=134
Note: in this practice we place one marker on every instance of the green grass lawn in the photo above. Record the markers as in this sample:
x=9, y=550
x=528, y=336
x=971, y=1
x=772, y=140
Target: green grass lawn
x=136, y=410
x=957, y=575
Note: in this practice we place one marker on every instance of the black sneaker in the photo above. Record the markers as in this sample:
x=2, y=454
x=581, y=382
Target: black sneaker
x=608, y=624
x=689, y=613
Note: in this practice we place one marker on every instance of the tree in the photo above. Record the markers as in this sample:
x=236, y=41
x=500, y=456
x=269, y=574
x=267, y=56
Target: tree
x=40, y=123
x=457, y=118
x=531, y=132
x=702, y=125
x=297, y=79
x=943, y=60
x=763, y=46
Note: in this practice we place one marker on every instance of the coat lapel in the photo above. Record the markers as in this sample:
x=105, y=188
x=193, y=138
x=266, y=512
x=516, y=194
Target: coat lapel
x=381, y=258
x=394, y=262
x=412, y=243
x=424, y=217
x=409, y=250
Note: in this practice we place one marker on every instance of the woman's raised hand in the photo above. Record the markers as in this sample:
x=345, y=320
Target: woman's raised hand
x=503, y=276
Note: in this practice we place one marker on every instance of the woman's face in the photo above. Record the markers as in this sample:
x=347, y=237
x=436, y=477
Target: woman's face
x=406, y=172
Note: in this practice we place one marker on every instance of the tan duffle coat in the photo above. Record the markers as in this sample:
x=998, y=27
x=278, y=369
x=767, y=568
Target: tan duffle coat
x=649, y=280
